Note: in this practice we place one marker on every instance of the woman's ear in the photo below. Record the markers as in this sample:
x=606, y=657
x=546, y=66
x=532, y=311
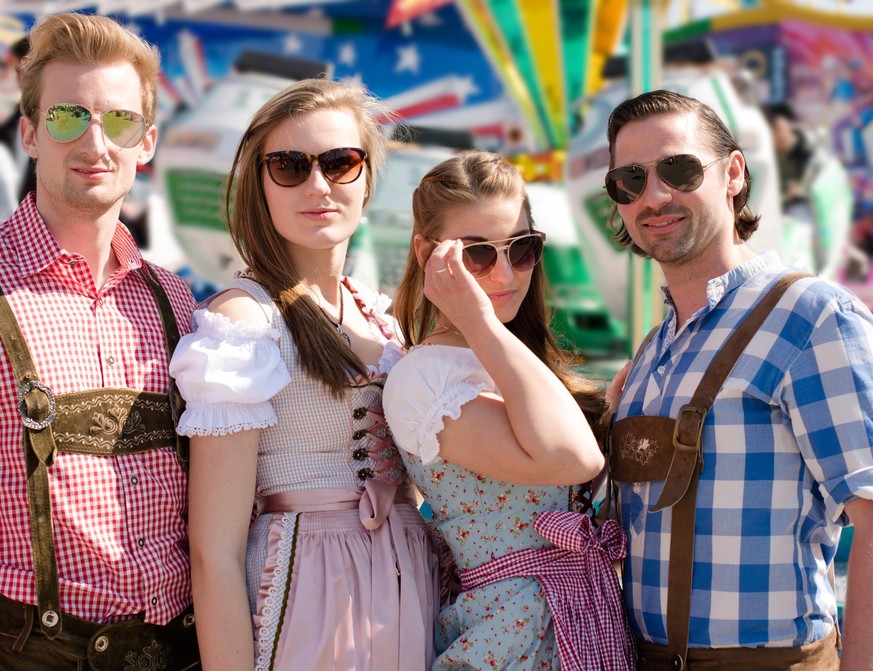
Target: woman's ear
x=423, y=248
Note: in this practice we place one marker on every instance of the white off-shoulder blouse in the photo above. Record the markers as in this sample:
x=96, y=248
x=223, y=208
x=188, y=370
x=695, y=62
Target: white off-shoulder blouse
x=428, y=384
x=228, y=371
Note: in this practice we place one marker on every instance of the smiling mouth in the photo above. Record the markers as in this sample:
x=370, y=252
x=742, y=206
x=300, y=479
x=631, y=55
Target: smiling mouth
x=91, y=171
x=662, y=221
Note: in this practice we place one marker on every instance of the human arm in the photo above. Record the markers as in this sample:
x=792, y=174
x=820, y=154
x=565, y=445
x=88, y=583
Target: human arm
x=831, y=396
x=533, y=432
x=857, y=652
x=220, y=497
x=227, y=370
x=616, y=386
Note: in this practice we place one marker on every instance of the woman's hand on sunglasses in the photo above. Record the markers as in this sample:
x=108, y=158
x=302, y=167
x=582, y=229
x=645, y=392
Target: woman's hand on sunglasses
x=452, y=289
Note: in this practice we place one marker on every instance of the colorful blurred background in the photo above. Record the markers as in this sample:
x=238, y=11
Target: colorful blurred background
x=532, y=79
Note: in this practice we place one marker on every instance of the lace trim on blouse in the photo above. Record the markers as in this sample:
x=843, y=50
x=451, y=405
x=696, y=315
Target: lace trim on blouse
x=447, y=405
x=228, y=371
x=224, y=419
x=233, y=332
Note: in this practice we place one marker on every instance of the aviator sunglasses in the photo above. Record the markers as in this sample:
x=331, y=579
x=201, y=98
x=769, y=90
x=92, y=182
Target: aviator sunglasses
x=683, y=172
x=292, y=168
x=523, y=253
x=66, y=122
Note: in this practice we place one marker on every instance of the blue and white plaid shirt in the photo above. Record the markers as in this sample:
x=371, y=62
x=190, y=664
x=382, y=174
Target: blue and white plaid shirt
x=787, y=443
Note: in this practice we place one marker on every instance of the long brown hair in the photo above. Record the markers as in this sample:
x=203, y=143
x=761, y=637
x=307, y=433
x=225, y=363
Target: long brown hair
x=323, y=354
x=469, y=178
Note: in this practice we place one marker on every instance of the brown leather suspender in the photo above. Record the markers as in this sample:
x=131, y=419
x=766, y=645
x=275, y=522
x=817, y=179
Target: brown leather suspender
x=643, y=449
x=102, y=422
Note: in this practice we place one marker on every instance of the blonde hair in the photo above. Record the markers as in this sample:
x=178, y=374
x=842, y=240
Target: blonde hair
x=322, y=352
x=469, y=178
x=89, y=39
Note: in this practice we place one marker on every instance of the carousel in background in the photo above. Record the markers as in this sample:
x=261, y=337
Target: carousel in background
x=533, y=80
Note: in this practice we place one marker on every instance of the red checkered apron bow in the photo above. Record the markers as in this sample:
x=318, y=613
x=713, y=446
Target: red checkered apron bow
x=580, y=585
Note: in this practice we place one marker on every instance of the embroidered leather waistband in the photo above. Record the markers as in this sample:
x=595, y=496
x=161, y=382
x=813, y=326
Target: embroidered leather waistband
x=641, y=449
x=106, y=422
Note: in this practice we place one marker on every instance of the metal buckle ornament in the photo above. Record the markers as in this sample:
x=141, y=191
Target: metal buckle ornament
x=698, y=417
x=33, y=424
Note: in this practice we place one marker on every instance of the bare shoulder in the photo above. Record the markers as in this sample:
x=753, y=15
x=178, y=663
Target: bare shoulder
x=238, y=306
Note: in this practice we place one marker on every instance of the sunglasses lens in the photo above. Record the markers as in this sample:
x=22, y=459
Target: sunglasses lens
x=625, y=184
x=65, y=123
x=480, y=259
x=342, y=166
x=288, y=168
x=123, y=127
x=683, y=172
x=525, y=252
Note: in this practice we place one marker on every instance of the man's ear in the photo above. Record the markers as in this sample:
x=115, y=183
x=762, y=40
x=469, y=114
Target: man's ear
x=148, y=146
x=27, y=132
x=736, y=173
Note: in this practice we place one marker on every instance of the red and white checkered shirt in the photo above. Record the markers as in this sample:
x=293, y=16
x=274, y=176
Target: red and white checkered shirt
x=119, y=522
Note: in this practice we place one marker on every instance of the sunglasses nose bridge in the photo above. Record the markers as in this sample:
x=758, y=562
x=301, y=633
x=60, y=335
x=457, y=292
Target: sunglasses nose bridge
x=503, y=267
x=500, y=260
x=654, y=186
x=91, y=135
x=316, y=177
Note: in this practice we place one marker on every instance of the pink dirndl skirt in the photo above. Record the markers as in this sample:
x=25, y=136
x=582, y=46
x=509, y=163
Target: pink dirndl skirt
x=329, y=594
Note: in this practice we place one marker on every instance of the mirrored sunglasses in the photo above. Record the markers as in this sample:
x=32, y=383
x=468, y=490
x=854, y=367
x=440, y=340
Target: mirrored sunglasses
x=291, y=168
x=523, y=253
x=683, y=172
x=66, y=122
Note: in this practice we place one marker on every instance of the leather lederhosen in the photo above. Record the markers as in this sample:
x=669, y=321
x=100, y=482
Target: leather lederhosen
x=646, y=449
x=101, y=422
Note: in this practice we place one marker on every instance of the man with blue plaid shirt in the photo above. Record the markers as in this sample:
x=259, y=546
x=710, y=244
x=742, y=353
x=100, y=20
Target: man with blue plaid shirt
x=784, y=460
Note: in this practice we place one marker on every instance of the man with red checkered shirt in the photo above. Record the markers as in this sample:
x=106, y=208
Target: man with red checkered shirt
x=94, y=568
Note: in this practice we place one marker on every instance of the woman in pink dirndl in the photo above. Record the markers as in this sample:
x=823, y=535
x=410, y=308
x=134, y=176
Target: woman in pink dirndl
x=282, y=377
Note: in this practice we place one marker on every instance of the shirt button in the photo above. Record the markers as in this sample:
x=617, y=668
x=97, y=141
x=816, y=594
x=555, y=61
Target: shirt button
x=140, y=542
x=74, y=262
x=360, y=454
x=100, y=302
x=357, y=435
x=637, y=488
x=110, y=359
x=359, y=413
x=365, y=473
x=154, y=601
x=661, y=370
x=134, y=480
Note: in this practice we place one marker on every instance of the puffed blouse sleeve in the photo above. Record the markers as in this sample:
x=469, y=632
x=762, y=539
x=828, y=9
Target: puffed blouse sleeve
x=227, y=372
x=427, y=385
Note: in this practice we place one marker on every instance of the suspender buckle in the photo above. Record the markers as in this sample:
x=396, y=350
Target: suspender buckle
x=34, y=424
x=689, y=427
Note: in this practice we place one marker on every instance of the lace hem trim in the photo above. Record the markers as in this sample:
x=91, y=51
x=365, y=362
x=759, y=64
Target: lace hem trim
x=223, y=431
x=448, y=405
x=274, y=602
x=217, y=324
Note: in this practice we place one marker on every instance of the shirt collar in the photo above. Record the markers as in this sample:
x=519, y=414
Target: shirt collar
x=36, y=248
x=719, y=287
